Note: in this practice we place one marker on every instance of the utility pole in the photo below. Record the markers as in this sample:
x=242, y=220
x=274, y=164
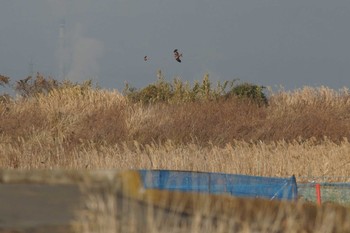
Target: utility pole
x=61, y=51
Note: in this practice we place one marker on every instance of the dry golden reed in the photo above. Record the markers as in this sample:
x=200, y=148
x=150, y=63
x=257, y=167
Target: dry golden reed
x=303, y=132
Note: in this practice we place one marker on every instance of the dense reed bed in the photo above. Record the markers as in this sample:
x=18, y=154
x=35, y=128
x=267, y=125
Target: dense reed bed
x=302, y=132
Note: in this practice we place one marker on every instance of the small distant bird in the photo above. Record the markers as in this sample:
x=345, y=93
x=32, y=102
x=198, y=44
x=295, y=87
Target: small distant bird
x=145, y=58
x=177, y=55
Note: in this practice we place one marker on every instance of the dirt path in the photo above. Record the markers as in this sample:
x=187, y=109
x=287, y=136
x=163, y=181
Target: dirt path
x=37, y=207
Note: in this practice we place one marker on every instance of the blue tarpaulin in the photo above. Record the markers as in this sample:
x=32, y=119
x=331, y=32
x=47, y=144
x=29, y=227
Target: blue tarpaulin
x=221, y=183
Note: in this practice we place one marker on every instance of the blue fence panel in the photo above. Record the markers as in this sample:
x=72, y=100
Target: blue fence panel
x=220, y=183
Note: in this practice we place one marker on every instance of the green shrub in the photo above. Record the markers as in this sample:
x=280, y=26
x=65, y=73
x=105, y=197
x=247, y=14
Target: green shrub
x=250, y=91
x=161, y=91
x=179, y=91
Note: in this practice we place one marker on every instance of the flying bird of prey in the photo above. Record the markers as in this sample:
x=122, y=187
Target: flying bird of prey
x=177, y=55
x=145, y=58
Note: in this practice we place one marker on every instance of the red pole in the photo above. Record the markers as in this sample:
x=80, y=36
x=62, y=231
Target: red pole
x=318, y=193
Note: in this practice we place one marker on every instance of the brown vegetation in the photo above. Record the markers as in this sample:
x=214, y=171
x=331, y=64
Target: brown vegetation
x=303, y=132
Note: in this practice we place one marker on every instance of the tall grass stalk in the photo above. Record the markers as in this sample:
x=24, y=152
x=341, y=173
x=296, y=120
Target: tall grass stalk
x=306, y=159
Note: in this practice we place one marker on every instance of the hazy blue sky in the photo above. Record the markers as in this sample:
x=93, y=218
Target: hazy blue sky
x=289, y=43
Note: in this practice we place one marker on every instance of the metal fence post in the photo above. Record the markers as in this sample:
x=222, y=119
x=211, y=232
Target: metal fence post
x=318, y=193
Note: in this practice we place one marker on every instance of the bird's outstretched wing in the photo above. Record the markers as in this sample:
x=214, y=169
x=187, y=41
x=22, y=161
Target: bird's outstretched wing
x=177, y=55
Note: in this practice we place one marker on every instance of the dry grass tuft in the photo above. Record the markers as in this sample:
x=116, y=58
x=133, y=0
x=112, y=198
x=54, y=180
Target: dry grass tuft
x=4, y=80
